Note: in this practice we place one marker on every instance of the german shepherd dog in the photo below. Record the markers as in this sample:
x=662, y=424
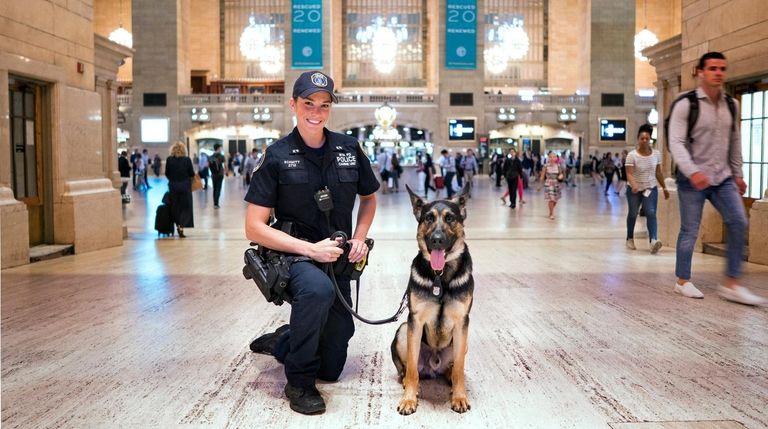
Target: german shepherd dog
x=433, y=341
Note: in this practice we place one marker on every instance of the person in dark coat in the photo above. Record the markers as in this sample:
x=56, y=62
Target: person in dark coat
x=512, y=170
x=125, y=174
x=179, y=171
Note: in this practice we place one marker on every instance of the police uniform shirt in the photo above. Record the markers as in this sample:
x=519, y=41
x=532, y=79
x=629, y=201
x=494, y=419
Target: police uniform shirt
x=290, y=172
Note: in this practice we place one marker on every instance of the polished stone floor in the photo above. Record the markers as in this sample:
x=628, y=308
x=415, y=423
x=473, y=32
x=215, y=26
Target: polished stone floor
x=568, y=329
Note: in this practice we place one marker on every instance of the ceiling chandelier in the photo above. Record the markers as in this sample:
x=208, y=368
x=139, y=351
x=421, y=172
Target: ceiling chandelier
x=379, y=42
x=508, y=41
x=256, y=45
x=645, y=38
x=120, y=35
x=385, y=116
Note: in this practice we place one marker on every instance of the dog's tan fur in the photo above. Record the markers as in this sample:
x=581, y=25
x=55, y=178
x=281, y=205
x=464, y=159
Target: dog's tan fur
x=439, y=325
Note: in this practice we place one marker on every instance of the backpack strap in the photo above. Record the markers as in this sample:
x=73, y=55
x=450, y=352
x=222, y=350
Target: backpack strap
x=693, y=114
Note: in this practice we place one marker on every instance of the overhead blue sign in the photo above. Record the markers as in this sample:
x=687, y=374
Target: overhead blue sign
x=307, y=33
x=461, y=34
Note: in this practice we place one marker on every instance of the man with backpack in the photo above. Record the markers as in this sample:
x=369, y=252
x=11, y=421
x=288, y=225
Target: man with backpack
x=216, y=168
x=708, y=157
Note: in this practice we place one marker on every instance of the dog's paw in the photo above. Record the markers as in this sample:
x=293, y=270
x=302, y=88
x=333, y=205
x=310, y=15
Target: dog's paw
x=460, y=404
x=407, y=406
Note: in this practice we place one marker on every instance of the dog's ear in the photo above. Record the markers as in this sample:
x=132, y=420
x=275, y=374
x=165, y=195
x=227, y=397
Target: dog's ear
x=461, y=199
x=416, y=202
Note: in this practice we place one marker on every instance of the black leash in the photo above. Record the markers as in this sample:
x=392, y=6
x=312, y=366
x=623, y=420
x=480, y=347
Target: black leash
x=329, y=271
x=325, y=204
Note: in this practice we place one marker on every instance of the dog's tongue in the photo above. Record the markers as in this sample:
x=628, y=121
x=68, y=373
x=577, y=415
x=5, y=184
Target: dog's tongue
x=437, y=259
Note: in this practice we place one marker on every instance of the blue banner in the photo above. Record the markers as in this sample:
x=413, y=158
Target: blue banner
x=461, y=34
x=307, y=34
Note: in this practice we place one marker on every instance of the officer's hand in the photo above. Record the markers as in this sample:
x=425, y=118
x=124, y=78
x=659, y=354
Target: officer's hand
x=358, y=250
x=699, y=181
x=326, y=251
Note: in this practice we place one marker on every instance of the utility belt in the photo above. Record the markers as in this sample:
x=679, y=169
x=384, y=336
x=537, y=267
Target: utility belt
x=270, y=269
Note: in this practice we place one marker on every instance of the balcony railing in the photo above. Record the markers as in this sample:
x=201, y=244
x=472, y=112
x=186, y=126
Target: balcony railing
x=393, y=99
x=546, y=100
x=214, y=99
x=198, y=100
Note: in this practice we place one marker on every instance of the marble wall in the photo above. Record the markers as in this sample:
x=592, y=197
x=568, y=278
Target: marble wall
x=53, y=43
x=737, y=28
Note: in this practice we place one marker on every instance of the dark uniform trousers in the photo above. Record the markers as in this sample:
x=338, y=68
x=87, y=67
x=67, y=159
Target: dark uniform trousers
x=320, y=327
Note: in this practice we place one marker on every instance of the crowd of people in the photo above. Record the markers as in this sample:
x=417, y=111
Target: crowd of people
x=286, y=178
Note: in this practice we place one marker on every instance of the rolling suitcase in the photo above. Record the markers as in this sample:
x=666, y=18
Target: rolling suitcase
x=163, y=221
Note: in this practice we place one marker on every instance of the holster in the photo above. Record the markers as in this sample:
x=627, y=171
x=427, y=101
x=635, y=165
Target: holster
x=270, y=275
x=270, y=270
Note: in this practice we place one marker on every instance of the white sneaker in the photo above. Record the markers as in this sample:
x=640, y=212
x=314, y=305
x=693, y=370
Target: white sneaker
x=689, y=290
x=741, y=295
x=655, y=246
x=631, y=244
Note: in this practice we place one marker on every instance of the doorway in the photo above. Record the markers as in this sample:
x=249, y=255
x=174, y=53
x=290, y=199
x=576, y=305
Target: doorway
x=31, y=153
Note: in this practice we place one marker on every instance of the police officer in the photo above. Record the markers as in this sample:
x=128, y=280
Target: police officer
x=286, y=179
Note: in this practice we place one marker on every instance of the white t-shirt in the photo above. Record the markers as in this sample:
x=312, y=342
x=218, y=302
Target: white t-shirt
x=644, y=168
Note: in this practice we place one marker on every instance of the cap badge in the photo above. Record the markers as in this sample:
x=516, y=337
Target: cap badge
x=319, y=79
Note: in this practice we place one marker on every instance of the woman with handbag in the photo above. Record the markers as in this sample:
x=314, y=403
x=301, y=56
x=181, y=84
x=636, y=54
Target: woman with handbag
x=179, y=170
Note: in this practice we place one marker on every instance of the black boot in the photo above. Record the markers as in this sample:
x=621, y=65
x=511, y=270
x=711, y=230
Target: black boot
x=265, y=344
x=305, y=400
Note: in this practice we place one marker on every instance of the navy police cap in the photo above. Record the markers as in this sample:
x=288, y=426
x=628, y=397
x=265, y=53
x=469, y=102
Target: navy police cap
x=311, y=82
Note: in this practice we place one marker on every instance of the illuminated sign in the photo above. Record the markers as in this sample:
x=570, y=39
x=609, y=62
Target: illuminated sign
x=154, y=130
x=461, y=129
x=613, y=129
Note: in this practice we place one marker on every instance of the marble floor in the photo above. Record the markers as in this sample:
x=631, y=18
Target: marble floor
x=568, y=329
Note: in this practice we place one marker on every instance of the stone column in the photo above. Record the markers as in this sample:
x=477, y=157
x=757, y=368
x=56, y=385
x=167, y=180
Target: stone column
x=108, y=58
x=161, y=63
x=612, y=69
x=458, y=81
x=665, y=56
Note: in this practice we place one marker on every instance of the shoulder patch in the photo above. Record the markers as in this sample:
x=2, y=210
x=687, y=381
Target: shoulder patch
x=258, y=163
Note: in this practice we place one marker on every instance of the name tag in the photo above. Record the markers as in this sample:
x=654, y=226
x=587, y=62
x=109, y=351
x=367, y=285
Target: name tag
x=293, y=164
x=346, y=160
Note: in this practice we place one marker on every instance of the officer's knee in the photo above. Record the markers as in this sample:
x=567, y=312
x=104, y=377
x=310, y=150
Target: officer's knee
x=321, y=293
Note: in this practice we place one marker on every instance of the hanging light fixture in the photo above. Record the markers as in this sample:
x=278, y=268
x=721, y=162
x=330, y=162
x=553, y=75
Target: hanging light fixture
x=256, y=44
x=271, y=60
x=120, y=35
x=508, y=41
x=253, y=39
x=645, y=37
x=379, y=42
x=514, y=39
x=495, y=59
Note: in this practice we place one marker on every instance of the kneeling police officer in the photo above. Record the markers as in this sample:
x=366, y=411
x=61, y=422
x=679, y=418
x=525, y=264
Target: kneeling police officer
x=286, y=180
